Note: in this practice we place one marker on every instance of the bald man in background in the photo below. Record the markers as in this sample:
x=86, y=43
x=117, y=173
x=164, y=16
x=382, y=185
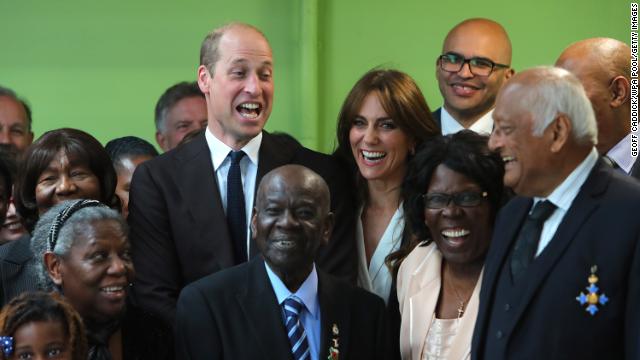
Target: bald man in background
x=475, y=63
x=603, y=67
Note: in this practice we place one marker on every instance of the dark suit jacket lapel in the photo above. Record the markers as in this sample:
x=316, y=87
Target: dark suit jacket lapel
x=271, y=155
x=501, y=244
x=197, y=182
x=437, y=117
x=585, y=203
x=334, y=309
x=262, y=311
x=635, y=170
x=11, y=266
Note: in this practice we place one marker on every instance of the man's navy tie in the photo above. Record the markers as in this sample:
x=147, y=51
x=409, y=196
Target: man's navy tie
x=529, y=237
x=297, y=336
x=236, y=215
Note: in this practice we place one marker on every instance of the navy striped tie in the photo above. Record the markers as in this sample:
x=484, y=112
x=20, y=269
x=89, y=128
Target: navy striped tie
x=297, y=336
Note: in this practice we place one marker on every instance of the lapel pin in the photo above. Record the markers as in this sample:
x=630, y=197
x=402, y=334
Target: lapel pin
x=593, y=297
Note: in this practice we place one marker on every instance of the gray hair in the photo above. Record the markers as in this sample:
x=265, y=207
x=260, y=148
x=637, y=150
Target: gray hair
x=557, y=91
x=170, y=98
x=12, y=94
x=77, y=225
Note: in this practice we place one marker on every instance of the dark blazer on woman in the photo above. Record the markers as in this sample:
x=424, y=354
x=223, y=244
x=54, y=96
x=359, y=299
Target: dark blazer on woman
x=146, y=337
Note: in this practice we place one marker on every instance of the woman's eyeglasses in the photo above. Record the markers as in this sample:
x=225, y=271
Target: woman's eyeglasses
x=464, y=199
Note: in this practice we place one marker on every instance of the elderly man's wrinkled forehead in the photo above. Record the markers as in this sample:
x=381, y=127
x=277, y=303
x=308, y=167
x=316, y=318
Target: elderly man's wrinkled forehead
x=294, y=180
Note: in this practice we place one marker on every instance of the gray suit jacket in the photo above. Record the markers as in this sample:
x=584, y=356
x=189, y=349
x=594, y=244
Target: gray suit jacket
x=17, y=276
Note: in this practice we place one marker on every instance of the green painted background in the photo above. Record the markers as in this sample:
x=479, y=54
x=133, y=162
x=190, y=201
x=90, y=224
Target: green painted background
x=101, y=66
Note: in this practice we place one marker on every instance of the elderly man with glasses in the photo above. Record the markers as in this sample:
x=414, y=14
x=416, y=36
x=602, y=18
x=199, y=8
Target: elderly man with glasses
x=475, y=63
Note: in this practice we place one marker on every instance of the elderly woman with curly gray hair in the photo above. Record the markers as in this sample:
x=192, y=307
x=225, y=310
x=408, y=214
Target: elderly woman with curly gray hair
x=84, y=254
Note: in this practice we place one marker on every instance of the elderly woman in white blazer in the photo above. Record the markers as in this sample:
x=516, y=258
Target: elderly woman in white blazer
x=455, y=188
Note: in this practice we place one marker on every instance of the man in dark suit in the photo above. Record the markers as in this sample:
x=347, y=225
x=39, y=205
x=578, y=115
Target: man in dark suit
x=562, y=276
x=279, y=306
x=602, y=65
x=189, y=209
x=475, y=63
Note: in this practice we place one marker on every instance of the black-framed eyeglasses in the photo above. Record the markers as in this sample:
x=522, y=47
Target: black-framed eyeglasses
x=452, y=62
x=465, y=199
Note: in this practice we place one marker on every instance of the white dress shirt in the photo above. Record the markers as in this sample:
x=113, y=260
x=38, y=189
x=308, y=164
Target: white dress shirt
x=449, y=125
x=376, y=277
x=563, y=196
x=621, y=154
x=248, y=169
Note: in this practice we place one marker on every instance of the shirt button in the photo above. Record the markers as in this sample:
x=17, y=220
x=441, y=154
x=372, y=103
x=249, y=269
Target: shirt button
x=507, y=307
x=499, y=335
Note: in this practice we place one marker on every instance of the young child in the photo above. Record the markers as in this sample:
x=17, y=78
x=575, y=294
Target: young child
x=39, y=325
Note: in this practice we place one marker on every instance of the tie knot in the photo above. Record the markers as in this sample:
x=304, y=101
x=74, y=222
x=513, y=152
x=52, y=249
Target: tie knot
x=542, y=211
x=236, y=156
x=610, y=162
x=292, y=305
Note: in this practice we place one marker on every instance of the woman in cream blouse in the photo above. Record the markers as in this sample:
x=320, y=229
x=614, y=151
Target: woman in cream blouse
x=381, y=121
x=455, y=188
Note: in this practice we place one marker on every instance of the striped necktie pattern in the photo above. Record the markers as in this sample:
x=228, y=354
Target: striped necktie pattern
x=295, y=331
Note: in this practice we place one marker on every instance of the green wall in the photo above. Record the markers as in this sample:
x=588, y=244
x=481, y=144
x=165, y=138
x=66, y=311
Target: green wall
x=101, y=66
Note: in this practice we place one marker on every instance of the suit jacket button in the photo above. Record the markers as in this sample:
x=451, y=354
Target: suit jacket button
x=507, y=307
x=499, y=335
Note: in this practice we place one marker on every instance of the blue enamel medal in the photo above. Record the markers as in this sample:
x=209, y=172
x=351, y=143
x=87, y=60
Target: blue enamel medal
x=593, y=297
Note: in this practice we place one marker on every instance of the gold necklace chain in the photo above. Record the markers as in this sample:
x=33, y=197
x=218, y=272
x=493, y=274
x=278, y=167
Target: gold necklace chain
x=461, y=302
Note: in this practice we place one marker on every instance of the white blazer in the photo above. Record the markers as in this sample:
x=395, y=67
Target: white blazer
x=418, y=289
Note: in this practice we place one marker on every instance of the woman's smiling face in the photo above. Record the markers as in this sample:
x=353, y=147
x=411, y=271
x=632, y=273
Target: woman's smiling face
x=462, y=233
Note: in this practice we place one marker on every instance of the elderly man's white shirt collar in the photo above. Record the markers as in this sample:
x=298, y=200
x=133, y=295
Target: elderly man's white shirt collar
x=563, y=196
x=449, y=125
x=621, y=154
x=220, y=151
x=307, y=292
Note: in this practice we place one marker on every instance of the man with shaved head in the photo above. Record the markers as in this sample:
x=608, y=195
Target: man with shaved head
x=562, y=277
x=279, y=306
x=475, y=63
x=189, y=209
x=603, y=67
